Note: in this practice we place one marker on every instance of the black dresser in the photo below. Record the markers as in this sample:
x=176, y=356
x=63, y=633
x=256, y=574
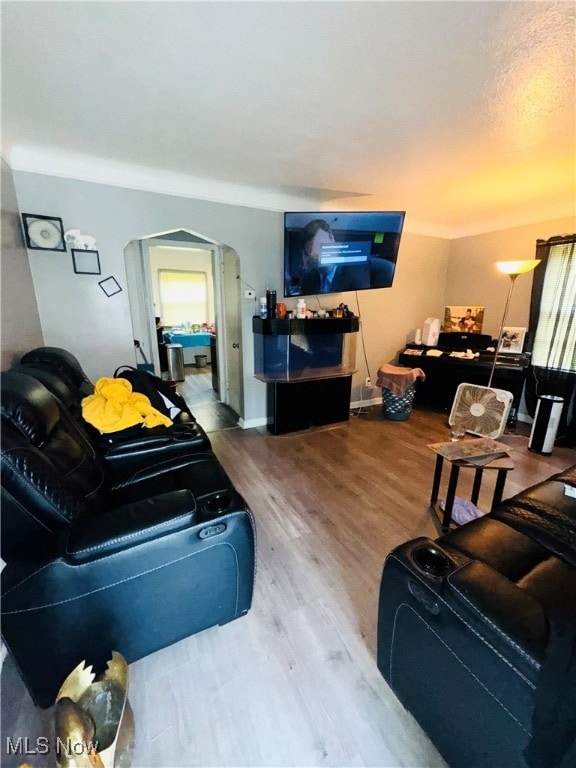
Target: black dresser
x=444, y=373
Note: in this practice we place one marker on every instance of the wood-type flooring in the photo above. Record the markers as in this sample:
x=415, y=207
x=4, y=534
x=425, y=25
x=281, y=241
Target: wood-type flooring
x=295, y=682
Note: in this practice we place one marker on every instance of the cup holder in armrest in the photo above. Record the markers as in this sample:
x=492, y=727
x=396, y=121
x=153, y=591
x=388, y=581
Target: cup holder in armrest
x=182, y=432
x=432, y=560
x=217, y=504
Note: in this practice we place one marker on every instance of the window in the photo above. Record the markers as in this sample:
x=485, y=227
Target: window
x=555, y=340
x=183, y=297
x=553, y=323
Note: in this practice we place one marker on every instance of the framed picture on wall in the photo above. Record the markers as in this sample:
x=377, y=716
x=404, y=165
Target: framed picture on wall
x=110, y=286
x=43, y=233
x=463, y=318
x=86, y=262
x=512, y=340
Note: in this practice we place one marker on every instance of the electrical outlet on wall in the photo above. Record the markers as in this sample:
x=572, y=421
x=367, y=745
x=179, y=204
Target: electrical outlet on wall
x=248, y=294
x=368, y=382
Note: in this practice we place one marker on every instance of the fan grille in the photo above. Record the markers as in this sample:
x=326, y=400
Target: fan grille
x=481, y=410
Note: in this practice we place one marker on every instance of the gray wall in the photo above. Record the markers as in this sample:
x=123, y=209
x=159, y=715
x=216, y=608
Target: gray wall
x=77, y=315
x=431, y=273
x=21, y=329
x=74, y=311
x=474, y=279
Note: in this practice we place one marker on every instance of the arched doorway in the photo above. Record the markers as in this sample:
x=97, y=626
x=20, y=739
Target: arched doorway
x=143, y=256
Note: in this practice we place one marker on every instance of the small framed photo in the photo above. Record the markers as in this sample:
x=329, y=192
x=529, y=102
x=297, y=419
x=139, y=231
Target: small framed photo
x=464, y=318
x=86, y=262
x=512, y=340
x=43, y=233
x=110, y=286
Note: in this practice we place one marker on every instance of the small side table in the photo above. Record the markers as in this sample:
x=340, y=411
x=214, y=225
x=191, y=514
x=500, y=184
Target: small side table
x=501, y=465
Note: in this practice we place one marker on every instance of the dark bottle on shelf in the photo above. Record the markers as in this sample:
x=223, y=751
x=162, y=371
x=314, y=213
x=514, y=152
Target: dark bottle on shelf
x=271, y=304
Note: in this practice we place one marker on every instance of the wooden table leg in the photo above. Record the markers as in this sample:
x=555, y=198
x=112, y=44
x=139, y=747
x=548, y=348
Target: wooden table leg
x=452, y=483
x=499, y=489
x=437, y=478
x=476, y=486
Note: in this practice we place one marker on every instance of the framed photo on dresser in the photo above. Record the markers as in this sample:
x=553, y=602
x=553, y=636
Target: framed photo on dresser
x=463, y=318
x=512, y=340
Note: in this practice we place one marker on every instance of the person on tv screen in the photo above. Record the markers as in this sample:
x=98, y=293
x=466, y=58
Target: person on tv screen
x=318, y=278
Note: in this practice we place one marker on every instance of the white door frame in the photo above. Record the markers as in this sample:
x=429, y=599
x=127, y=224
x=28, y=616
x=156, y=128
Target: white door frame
x=141, y=301
x=140, y=291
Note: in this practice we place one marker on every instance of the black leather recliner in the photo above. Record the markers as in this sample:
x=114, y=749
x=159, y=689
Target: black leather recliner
x=61, y=373
x=62, y=365
x=97, y=560
x=471, y=626
x=66, y=368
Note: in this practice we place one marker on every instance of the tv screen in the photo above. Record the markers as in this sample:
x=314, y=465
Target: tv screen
x=336, y=252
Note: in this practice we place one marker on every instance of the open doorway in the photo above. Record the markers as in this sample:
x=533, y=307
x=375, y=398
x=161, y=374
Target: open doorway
x=192, y=285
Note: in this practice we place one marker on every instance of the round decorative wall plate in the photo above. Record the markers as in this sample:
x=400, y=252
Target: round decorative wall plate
x=45, y=233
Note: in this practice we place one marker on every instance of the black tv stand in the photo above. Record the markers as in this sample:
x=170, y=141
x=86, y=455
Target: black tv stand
x=303, y=404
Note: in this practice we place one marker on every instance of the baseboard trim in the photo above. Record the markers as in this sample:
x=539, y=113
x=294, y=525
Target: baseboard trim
x=263, y=421
x=251, y=423
x=360, y=403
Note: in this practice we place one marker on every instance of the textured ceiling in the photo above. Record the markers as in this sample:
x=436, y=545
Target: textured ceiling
x=460, y=113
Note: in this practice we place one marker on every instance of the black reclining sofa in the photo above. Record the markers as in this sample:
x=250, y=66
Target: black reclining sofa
x=62, y=374
x=477, y=632
x=127, y=547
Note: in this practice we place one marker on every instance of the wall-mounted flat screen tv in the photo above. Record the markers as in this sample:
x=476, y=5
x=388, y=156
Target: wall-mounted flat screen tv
x=340, y=251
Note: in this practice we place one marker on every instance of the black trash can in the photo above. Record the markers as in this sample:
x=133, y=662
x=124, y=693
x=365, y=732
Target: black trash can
x=201, y=361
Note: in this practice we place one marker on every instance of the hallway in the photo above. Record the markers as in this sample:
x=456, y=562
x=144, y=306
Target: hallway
x=210, y=413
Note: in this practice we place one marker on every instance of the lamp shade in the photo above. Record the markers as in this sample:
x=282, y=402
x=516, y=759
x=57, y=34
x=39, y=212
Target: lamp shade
x=517, y=267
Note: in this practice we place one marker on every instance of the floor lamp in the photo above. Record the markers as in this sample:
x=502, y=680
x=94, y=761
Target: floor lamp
x=512, y=269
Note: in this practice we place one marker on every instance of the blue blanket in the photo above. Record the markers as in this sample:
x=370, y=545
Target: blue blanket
x=188, y=339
